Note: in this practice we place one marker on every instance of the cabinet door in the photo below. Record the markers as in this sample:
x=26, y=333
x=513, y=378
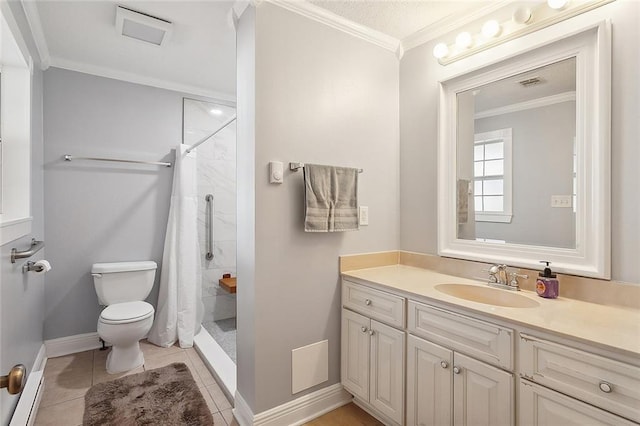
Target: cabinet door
x=387, y=371
x=540, y=406
x=429, y=383
x=355, y=354
x=482, y=394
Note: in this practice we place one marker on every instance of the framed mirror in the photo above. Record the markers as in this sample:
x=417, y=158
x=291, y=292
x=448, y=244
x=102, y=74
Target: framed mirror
x=524, y=151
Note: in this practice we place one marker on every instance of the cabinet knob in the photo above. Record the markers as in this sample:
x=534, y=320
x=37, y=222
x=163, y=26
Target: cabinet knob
x=605, y=387
x=370, y=332
x=364, y=329
x=367, y=302
x=444, y=364
x=457, y=370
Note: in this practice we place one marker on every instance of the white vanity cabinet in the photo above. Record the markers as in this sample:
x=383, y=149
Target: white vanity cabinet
x=373, y=353
x=602, y=382
x=463, y=368
x=445, y=386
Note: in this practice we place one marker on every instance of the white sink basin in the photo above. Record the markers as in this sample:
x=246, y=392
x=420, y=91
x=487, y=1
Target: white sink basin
x=487, y=295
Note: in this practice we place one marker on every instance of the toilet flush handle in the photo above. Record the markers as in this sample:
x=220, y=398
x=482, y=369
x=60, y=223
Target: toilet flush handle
x=96, y=275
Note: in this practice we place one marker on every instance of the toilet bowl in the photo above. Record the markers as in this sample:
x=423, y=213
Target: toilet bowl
x=124, y=325
x=127, y=318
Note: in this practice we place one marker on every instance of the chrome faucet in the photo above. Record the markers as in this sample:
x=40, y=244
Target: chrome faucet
x=499, y=277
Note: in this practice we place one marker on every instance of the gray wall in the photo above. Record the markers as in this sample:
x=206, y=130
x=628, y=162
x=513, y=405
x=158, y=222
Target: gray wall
x=22, y=295
x=102, y=212
x=542, y=166
x=419, y=74
x=325, y=97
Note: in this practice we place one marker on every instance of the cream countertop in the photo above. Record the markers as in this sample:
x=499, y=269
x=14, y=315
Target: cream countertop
x=615, y=327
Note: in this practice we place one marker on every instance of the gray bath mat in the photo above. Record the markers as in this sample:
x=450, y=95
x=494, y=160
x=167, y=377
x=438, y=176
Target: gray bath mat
x=164, y=396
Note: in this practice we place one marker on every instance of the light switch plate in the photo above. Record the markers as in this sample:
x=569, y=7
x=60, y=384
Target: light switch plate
x=563, y=201
x=363, y=216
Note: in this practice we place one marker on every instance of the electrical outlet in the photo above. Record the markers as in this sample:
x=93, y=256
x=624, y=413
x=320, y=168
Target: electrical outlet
x=563, y=201
x=363, y=216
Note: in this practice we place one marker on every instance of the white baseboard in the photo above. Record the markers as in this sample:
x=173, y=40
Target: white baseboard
x=41, y=359
x=72, y=344
x=296, y=412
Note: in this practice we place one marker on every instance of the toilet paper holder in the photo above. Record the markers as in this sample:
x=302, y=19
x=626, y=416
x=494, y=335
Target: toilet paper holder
x=31, y=266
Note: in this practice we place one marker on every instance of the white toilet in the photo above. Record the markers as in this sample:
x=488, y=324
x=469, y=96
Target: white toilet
x=127, y=318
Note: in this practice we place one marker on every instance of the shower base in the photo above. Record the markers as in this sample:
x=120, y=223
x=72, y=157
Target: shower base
x=224, y=333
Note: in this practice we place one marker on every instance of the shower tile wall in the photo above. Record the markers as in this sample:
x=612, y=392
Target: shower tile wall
x=217, y=176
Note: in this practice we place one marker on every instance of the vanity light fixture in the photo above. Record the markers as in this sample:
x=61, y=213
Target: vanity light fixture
x=491, y=28
x=440, y=50
x=557, y=4
x=524, y=21
x=464, y=40
x=521, y=15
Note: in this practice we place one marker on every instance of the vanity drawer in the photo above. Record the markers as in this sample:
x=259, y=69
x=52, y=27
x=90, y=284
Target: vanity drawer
x=603, y=382
x=479, y=339
x=375, y=304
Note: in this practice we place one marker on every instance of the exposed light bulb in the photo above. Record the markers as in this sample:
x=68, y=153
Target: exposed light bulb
x=522, y=15
x=491, y=28
x=464, y=40
x=440, y=50
x=557, y=4
x=216, y=111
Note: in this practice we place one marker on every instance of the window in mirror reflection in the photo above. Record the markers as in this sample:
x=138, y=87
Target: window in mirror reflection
x=492, y=176
x=516, y=158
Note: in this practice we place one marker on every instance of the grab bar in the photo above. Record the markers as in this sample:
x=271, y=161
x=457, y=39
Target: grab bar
x=209, y=225
x=35, y=247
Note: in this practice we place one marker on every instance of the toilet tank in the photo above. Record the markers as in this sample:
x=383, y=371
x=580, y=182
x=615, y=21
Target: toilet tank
x=123, y=281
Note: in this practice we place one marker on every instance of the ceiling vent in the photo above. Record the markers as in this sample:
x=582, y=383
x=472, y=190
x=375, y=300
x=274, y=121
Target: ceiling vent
x=531, y=81
x=141, y=26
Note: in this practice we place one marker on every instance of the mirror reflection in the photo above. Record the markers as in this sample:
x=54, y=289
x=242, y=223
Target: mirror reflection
x=516, y=159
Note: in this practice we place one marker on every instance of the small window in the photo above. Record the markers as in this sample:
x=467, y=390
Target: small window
x=492, y=176
x=15, y=123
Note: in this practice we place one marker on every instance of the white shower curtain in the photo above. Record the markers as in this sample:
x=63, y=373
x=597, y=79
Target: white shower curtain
x=180, y=309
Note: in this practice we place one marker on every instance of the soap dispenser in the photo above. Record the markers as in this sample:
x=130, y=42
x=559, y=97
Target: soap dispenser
x=547, y=283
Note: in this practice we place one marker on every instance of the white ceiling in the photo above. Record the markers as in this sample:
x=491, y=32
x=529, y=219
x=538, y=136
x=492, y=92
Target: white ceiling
x=199, y=57
x=556, y=78
x=400, y=18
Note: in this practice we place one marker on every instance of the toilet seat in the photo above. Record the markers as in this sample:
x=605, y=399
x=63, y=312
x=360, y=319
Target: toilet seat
x=127, y=312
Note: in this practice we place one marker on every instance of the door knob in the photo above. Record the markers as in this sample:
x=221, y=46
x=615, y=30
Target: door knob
x=444, y=364
x=457, y=370
x=14, y=381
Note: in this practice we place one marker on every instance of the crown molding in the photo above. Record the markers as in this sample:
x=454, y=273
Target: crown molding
x=33, y=19
x=340, y=23
x=139, y=79
x=449, y=24
x=521, y=106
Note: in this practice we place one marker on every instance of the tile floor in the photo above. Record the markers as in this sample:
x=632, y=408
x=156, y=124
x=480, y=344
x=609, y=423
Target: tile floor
x=68, y=378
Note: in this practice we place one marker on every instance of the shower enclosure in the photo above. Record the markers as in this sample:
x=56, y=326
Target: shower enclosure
x=216, y=160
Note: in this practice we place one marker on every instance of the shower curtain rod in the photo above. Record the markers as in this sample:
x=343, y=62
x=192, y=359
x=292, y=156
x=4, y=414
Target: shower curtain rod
x=203, y=140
